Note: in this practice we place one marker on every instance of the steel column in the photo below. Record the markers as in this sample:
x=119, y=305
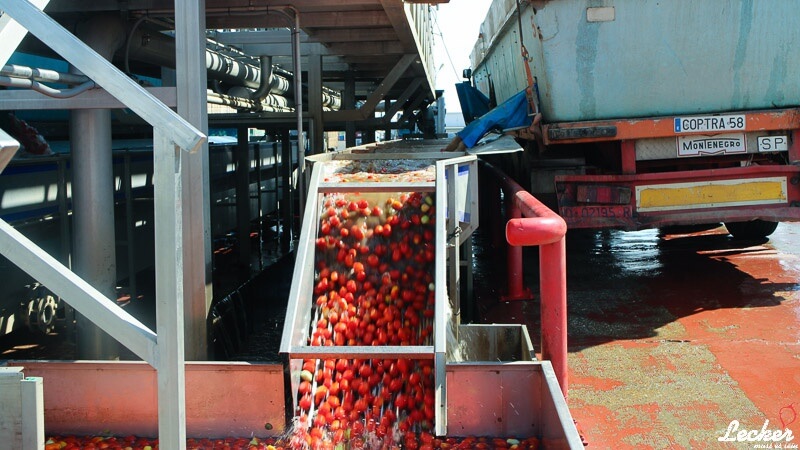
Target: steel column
x=63, y=211
x=287, y=197
x=440, y=315
x=387, y=132
x=349, y=103
x=298, y=105
x=32, y=396
x=130, y=230
x=190, y=42
x=317, y=127
x=94, y=255
x=242, y=152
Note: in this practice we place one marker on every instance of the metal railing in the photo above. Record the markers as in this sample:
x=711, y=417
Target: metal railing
x=531, y=223
x=172, y=135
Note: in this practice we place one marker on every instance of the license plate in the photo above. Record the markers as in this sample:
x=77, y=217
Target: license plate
x=705, y=145
x=773, y=143
x=700, y=124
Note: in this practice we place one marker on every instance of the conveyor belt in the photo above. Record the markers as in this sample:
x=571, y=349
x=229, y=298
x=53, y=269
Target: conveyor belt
x=370, y=280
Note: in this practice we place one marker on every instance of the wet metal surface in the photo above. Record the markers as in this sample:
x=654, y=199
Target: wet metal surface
x=674, y=335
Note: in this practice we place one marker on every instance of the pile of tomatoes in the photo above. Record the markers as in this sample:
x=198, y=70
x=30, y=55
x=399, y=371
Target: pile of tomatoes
x=374, y=279
x=412, y=441
x=374, y=286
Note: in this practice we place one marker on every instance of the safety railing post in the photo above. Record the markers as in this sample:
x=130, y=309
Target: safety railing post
x=553, y=288
x=516, y=290
x=531, y=223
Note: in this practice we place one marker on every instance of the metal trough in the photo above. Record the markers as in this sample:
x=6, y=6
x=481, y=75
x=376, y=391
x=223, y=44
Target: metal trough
x=497, y=388
x=120, y=398
x=487, y=381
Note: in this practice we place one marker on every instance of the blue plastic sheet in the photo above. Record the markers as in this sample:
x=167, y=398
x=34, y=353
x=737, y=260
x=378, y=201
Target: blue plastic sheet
x=510, y=115
x=473, y=103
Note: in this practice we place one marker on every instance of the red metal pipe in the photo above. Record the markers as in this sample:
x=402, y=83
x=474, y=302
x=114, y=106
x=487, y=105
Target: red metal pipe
x=539, y=226
x=532, y=223
x=516, y=289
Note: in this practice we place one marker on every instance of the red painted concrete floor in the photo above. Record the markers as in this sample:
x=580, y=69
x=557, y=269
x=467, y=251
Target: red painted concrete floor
x=672, y=337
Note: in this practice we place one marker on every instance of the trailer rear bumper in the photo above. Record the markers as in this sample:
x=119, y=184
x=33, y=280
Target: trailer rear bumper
x=634, y=202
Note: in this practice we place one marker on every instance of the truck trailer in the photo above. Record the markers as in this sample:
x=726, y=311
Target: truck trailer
x=646, y=114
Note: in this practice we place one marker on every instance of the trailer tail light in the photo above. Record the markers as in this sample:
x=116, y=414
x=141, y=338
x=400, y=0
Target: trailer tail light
x=613, y=195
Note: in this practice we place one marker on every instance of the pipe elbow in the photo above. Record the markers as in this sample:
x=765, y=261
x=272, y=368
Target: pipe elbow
x=532, y=231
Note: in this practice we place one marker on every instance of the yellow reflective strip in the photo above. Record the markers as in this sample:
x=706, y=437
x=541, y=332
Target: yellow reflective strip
x=710, y=194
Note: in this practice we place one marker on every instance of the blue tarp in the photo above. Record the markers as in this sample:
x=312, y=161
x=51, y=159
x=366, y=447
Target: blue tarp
x=473, y=103
x=510, y=115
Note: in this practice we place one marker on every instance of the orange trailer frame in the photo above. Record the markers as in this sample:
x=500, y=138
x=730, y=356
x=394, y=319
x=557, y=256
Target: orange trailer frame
x=768, y=192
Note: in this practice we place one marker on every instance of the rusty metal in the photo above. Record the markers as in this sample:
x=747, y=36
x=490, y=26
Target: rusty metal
x=628, y=217
x=778, y=119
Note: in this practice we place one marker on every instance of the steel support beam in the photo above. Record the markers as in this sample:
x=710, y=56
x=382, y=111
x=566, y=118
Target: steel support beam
x=12, y=33
x=169, y=241
x=368, y=109
x=317, y=127
x=353, y=35
x=440, y=313
x=402, y=99
x=190, y=54
x=408, y=113
x=387, y=130
x=327, y=19
x=22, y=99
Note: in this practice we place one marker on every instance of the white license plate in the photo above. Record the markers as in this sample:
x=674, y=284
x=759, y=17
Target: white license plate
x=773, y=143
x=701, y=124
x=718, y=144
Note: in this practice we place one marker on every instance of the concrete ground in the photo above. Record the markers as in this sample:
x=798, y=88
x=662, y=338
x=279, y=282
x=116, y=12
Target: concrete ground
x=673, y=337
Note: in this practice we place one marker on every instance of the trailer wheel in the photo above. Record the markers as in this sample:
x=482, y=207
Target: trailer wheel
x=754, y=229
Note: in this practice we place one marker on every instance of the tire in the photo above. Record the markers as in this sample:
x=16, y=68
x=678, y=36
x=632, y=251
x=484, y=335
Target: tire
x=755, y=229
